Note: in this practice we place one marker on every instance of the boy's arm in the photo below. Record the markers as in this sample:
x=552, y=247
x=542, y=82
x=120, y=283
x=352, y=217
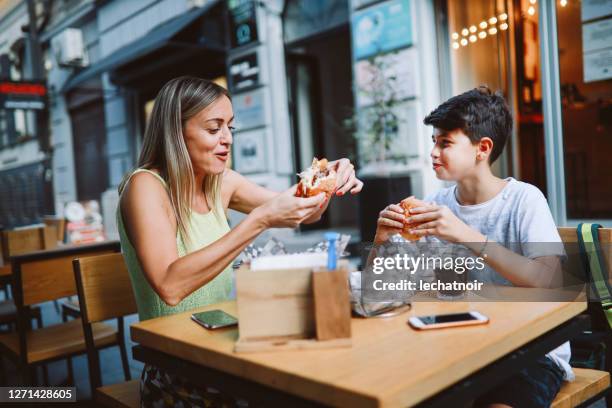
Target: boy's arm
x=543, y=271
x=540, y=272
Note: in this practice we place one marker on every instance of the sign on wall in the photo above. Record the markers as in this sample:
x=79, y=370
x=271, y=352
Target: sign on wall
x=382, y=27
x=243, y=22
x=249, y=152
x=244, y=72
x=249, y=109
x=591, y=9
x=597, y=50
x=22, y=95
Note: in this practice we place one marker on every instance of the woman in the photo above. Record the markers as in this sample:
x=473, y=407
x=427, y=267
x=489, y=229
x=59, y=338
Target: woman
x=175, y=237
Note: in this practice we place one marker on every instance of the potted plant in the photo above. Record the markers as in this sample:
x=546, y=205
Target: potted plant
x=375, y=125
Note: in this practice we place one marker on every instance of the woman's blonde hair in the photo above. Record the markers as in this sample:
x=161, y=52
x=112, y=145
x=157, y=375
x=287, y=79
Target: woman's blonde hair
x=164, y=147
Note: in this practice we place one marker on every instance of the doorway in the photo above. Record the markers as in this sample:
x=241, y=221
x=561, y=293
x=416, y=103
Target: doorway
x=319, y=75
x=89, y=143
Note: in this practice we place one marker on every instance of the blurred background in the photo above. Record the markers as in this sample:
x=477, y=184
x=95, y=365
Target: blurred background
x=336, y=78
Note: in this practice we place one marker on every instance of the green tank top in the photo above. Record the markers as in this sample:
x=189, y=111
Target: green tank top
x=203, y=230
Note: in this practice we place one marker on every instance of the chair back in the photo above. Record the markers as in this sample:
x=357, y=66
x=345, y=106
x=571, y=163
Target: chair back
x=570, y=236
x=105, y=292
x=58, y=223
x=30, y=239
x=599, y=314
x=48, y=275
x=104, y=287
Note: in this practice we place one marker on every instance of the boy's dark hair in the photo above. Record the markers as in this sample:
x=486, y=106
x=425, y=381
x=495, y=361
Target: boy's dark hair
x=478, y=113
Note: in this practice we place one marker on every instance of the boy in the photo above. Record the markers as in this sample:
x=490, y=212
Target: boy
x=489, y=214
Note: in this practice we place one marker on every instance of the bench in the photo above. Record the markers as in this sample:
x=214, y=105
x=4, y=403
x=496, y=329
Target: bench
x=588, y=384
x=125, y=394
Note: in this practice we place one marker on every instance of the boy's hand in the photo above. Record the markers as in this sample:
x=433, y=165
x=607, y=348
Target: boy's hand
x=441, y=222
x=390, y=222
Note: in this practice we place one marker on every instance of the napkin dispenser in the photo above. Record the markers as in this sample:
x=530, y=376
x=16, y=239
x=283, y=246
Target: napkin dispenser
x=283, y=307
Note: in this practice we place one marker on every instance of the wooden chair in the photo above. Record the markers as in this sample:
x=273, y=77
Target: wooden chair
x=17, y=242
x=59, y=224
x=105, y=292
x=589, y=384
x=69, y=307
x=41, y=277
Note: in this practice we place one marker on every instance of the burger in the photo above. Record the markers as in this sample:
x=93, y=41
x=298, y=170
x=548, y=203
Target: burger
x=407, y=204
x=318, y=178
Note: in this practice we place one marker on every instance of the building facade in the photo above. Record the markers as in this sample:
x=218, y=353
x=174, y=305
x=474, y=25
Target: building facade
x=301, y=75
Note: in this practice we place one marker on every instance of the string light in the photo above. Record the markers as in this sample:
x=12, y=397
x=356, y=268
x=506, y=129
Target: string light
x=533, y=1
x=471, y=34
x=563, y=3
x=531, y=10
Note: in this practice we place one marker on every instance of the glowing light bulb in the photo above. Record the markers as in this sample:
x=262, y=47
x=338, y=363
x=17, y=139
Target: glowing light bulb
x=465, y=32
x=455, y=36
x=503, y=17
x=492, y=30
x=533, y=1
x=563, y=3
x=473, y=38
x=464, y=42
x=455, y=45
x=531, y=10
x=482, y=35
x=473, y=29
x=503, y=26
x=483, y=25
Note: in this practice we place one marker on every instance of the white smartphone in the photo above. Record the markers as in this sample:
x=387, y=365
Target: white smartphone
x=447, y=320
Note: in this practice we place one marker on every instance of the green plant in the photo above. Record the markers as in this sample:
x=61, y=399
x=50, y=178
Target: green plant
x=375, y=124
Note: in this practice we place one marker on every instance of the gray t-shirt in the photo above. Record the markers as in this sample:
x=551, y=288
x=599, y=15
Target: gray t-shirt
x=517, y=217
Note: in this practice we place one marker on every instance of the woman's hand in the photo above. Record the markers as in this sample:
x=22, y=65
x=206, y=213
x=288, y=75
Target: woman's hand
x=390, y=222
x=345, y=177
x=287, y=211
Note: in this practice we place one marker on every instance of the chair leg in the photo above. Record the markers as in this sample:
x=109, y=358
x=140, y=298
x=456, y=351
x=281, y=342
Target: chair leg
x=39, y=322
x=70, y=379
x=124, y=360
x=25, y=375
x=45, y=369
x=33, y=375
x=2, y=372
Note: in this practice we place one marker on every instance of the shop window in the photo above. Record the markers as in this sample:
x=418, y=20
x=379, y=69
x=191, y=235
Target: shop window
x=584, y=30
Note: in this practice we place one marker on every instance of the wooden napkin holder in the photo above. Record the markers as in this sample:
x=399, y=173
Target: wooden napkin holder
x=288, y=309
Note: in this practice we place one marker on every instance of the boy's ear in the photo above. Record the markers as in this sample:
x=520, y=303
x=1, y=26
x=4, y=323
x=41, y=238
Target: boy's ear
x=485, y=147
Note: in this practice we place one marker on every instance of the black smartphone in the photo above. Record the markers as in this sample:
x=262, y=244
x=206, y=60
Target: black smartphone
x=214, y=319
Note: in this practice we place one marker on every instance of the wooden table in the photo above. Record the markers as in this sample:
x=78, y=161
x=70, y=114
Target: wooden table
x=389, y=364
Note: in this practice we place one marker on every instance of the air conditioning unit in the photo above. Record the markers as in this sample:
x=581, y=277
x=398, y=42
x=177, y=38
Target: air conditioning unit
x=69, y=48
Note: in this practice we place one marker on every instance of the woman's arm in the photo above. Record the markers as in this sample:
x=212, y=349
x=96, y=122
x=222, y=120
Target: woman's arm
x=151, y=227
x=244, y=195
